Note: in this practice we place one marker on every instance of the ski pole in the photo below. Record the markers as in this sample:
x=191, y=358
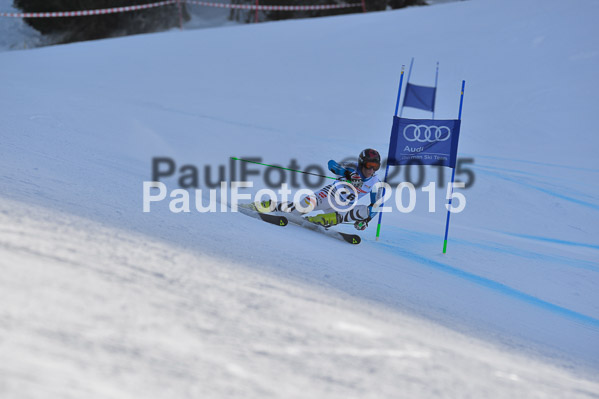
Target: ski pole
x=280, y=167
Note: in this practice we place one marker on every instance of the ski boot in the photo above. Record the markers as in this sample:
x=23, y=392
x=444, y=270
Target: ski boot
x=265, y=206
x=326, y=219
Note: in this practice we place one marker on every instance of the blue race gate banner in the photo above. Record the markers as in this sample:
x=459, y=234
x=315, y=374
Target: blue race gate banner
x=421, y=97
x=424, y=141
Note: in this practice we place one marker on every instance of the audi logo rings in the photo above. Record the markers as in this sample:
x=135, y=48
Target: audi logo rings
x=424, y=133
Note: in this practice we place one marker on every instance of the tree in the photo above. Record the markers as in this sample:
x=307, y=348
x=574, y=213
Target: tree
x=274, y=15
x=70, y=29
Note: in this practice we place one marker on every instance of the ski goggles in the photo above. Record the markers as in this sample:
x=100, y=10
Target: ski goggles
x=372, y=165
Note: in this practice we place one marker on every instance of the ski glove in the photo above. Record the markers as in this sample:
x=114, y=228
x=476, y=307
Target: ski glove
x=354, y=178
x=361, y=225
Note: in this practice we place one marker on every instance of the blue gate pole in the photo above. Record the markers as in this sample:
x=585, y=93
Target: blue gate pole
x=409, y=73
x=436, y=80
x=399, y=90
x=378, y=227
x=453, y=176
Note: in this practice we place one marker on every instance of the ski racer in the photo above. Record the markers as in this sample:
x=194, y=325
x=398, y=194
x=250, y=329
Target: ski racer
x=338, y=200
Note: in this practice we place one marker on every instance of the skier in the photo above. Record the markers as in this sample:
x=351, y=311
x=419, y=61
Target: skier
x=337, y=200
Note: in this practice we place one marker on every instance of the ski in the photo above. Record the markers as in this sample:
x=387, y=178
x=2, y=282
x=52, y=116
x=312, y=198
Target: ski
x=353, y=239
x=277, y=219
x=266, y=217
x=273, y=219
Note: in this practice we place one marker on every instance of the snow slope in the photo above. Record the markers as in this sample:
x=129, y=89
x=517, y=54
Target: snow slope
x=102, y=300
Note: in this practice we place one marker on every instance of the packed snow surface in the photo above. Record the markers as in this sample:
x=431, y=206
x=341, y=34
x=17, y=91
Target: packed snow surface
x=100, y=299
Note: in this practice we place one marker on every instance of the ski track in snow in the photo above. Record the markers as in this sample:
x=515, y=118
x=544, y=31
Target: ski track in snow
x=552, y=192
x=496, y=286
